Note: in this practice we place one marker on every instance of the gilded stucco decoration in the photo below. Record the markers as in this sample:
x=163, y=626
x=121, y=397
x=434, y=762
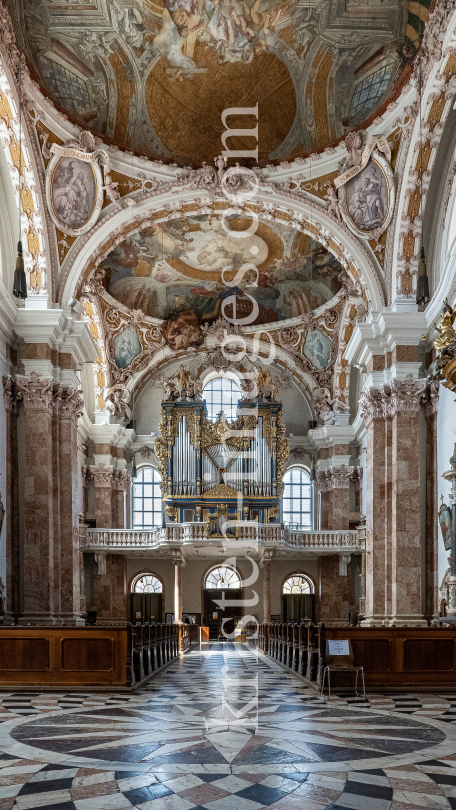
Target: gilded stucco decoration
x=313, y=69
x=18, y=158
x=436, y=71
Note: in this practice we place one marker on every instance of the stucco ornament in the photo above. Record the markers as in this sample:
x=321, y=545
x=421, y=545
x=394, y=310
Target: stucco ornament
x=75, y=184
x=365, y=187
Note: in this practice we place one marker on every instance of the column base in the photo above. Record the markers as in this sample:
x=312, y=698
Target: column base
x=374, y=620
x=406, y=620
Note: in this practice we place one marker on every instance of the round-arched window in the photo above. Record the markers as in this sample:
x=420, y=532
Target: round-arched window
x=297, y=499
x=147, y=583
x=147, y=499
x=221, y=394
x=297, y=584
x=223, y=577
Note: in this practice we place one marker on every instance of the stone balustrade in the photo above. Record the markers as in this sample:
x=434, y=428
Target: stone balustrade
x=123, y=540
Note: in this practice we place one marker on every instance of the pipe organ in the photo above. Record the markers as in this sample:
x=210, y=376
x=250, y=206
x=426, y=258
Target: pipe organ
x=234, y=467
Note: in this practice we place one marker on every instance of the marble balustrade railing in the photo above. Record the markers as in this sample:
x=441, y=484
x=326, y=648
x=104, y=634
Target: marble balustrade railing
x=188, y=533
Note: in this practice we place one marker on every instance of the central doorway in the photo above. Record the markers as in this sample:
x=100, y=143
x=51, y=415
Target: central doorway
x=221, y=579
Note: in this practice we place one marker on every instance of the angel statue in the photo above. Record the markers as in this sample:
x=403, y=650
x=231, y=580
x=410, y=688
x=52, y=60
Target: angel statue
x=324, y=406
x=117, y=403
x=333, y=205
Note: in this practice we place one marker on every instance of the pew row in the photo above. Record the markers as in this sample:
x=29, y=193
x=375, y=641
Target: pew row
x=392, y=657
x=90, y=656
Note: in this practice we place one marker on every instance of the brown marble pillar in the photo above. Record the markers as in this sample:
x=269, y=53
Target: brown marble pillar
x=69, y=407
x=395, y=574
x=323, y=487
x=334, y=591
x=432, y=553
x=266, y=587
x=120, y=483
x=371, y=405
x=102, y=477
x=110, y=589
x=178, y=563
x=407, y=572
x=11, y=399
x=340, y=481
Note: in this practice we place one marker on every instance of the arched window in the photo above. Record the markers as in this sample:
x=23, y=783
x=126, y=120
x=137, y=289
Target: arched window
x=147, y=583
x=147, y=499
x=221, y=394
x=370, y=90
x=297, y=499
x=223, y=577
x=297, y=584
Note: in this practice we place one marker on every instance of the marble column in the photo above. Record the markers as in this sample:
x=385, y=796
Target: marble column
x=340, y=480
x=39, y=584
x=11, y=399
x=323, y=488
x=68, y=406
x=335, y=597
x=432, y=551
x=178, y=563
x=110, y=589
x=267, y=587
x=371, y=405
x=102, y=476
x=395, y=577
x=120, y=483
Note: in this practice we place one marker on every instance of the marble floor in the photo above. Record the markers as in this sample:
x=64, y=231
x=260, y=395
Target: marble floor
x=224, y=729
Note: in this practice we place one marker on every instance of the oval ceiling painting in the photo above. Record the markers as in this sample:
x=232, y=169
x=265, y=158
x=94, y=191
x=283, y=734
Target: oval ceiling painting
x=187, y=266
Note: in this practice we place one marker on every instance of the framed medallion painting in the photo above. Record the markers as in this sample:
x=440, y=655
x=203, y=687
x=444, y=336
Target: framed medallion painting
x=366, y=190
x=74, y=190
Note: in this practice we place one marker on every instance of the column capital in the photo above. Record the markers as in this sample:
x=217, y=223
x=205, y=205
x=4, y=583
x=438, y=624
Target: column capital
x=402, y=396
x=102, y=476
x=178, y=558
x=37, y=393
x=334, y=478
x=121, y=480
x=69, y=403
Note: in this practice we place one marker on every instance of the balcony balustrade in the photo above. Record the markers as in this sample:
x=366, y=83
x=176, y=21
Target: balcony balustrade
x=187, y=534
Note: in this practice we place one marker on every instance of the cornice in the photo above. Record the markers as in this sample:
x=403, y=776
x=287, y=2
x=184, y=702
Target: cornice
x=382, y=333
x=57, y=330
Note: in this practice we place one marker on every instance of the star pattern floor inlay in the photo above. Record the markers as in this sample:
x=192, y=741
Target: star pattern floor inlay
x=225, y=729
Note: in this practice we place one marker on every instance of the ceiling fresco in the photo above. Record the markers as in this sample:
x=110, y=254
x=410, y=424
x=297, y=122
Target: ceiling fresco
x=190, y=267
x=156, y=75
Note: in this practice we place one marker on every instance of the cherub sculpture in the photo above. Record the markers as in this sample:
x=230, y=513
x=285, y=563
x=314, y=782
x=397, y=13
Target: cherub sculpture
x=333, y=205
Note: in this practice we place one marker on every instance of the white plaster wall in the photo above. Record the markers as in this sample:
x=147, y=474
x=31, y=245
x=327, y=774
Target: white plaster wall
x=193, y=575
x=446, y=438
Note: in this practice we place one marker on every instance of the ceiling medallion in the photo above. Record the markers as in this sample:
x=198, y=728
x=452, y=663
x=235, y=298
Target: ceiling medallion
x=365, y=188
x=74, y=184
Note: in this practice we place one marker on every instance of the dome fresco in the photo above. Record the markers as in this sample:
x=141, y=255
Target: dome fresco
x=156, y=75
x=182, y=268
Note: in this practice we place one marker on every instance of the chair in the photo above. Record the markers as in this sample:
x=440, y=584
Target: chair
x=337, y=661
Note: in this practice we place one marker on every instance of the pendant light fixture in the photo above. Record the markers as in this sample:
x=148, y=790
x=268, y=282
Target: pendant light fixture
x=20, y=280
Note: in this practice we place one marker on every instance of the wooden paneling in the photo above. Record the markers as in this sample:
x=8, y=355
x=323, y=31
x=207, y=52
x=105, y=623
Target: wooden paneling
x=88, y=654
x=375, y=652
x=22, y=654
x=428, y=654
x=63, y=656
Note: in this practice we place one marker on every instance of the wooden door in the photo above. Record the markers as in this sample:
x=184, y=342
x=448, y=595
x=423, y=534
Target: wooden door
x=146, y=607
x=214, y=615
x=297, y=606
